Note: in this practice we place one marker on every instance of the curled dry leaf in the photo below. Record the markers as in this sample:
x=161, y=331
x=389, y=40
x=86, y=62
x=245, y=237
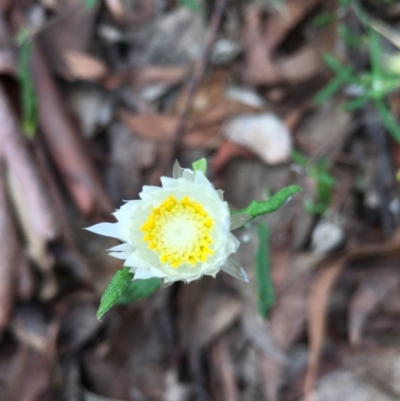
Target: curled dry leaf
x=225, y=153
x=161, y=128
x=66, y=146
x=265, y=135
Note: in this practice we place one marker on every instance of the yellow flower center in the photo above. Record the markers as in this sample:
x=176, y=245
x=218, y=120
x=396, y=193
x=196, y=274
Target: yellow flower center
x=179, y=231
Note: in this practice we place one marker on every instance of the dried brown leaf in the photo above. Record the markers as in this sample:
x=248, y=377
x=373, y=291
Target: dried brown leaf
x=9, y=255
x=66, y=146
x=221, y=359
x=319, y=296
x=81, y=66
x=73, y=31
x=317, y=309
x=377, y=284
x=21, y=165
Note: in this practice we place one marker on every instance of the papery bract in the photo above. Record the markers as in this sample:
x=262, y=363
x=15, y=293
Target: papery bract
x=179, y=231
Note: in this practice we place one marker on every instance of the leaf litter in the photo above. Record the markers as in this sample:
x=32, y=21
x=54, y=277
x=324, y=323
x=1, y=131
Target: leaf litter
x=102, y=100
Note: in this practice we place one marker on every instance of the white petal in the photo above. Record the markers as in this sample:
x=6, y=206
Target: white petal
x=233, y=268
x=148, y=190
x=142, y=274
x=201, y=179
x=165, y=284
x=119, y=248
x=107, y=229
x=188, y=175
x=177, y=171
x=168, y=182
x=220, y=193
x=237, y=220
x=134, y=261
x=119, y=255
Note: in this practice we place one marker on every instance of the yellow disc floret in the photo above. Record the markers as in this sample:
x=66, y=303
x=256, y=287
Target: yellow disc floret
x=179, y=231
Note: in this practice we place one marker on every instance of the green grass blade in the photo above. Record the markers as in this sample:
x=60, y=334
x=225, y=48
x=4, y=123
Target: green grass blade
x=265, y=287
x=29, y=99
x=328, y=91
x=375, y=54
x=357, y=103
x=387, y=119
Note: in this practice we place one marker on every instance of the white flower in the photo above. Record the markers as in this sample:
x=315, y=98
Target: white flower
x=180, y=231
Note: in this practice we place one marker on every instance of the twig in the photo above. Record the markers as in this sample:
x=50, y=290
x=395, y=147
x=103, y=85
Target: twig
x=194, y=82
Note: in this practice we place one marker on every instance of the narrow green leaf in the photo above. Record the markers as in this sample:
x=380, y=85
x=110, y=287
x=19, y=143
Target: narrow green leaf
x=375, y=54
x=323, y=19
x=345, y=72
x=28, y=93
x=118, y=285
x=258, y=208
x=89, y=4
x=139, y=289
x=265, y=288
x=387, y=119
x=299, y=158
x=192, y=5
x=357, y=103
x=349, y=37
x=328, y=91
x=200, y=165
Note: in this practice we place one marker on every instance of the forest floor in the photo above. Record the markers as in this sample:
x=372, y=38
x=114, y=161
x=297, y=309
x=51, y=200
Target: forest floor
x=98, y=98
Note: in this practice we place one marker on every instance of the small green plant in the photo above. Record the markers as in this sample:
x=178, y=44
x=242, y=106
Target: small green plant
x=372, y=86
x=325, y=182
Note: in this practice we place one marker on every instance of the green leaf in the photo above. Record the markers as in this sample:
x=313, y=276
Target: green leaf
x=265, y=288
x=299, y=158
x=345, y=72
x=119, y=283
x=357, y=103
x=258, y=208
x=89, y=4
x=192, y=5
x=328, y=91
x=375, y=54
x=200, y=165
x=139, y=289
x=387, y=119
x=349, y=37
x=30, y=108
x=323, y=19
